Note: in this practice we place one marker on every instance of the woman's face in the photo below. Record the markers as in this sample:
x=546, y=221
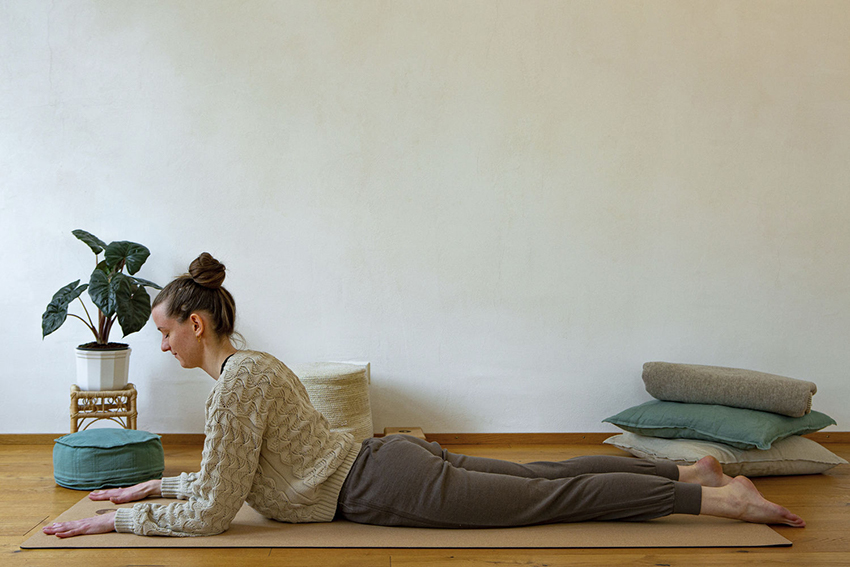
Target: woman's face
x=178, y=338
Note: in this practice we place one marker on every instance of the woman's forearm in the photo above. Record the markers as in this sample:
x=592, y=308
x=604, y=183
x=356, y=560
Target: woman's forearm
x=154, y=487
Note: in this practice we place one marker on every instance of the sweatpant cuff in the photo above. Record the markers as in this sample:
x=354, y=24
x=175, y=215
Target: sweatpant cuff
x=687, y=498
x=667, y=469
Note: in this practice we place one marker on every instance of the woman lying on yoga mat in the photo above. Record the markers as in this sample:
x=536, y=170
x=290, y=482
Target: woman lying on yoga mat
x=266, y=445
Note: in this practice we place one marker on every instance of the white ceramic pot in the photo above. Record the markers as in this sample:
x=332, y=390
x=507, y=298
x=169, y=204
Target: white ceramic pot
x=103, y=369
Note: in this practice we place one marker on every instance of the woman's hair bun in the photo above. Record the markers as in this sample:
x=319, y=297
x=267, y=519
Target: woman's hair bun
x=207, y=271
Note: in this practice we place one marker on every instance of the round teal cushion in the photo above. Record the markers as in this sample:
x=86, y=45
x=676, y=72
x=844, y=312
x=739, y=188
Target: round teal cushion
x=102, y=458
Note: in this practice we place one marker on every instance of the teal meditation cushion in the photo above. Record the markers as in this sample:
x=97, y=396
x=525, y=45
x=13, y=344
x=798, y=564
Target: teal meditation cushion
x=103, y=458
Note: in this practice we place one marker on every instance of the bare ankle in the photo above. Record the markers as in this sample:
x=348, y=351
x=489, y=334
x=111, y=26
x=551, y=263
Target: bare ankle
x=705, y=472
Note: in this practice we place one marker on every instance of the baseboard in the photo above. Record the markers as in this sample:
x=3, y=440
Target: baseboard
x=441, y=438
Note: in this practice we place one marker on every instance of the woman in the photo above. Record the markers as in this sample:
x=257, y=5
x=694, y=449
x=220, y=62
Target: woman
x=266, y=445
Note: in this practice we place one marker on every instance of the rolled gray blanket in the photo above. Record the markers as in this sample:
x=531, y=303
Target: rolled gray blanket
x=734, y=387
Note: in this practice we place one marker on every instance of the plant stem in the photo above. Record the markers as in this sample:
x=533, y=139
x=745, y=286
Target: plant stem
x=101, y=328
x=91, y=327
x=109, y=323
x=90, y=323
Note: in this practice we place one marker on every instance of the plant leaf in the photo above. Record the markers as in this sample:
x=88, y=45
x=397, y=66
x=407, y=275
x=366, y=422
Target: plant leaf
x=101, y=292
x=57, y=309
x=96, y=244
x=133, y=255
x=148, y=283
x=134, y=308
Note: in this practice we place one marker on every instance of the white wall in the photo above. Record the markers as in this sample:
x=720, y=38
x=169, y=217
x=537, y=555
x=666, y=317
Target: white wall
x=507, y=207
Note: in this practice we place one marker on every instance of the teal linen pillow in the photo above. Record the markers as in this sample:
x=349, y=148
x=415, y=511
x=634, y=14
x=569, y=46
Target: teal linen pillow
x=102, y=458
x=741, y=428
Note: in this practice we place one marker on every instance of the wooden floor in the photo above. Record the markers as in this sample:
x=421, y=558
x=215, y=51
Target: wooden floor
x=29, y=499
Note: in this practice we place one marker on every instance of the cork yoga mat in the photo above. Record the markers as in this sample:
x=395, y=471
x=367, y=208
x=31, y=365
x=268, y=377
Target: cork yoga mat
x=249, y=529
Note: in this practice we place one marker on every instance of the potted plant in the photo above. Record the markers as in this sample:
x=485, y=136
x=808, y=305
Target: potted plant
x=102, y=365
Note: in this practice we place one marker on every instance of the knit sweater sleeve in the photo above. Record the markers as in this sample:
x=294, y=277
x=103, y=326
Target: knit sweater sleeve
x=178, y=486
x=216, y=493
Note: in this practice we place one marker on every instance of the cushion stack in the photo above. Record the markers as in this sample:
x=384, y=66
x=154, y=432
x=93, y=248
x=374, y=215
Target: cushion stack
x=750, y=421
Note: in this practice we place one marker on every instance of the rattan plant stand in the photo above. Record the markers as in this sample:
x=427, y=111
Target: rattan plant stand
x=115, y=405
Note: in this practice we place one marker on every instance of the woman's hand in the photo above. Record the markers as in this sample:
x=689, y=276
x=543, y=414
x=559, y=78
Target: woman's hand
x=95, y=525
x=129, y=494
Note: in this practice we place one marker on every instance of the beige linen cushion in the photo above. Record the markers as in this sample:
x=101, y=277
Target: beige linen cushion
x=791, y=456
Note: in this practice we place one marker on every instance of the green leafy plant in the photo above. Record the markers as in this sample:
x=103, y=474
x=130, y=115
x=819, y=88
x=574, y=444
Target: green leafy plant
x=117, y=296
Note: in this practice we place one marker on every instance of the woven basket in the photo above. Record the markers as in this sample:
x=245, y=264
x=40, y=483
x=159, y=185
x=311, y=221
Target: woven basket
x=340, y=391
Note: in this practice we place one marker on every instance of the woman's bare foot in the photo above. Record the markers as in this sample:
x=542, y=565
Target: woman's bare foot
x=742, y=501
x=705, y=472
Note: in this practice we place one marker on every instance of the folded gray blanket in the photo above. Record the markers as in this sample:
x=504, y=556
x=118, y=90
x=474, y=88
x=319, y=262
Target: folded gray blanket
x=734, y=387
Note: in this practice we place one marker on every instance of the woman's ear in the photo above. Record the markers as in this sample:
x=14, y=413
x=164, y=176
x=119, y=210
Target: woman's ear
x=198, y=324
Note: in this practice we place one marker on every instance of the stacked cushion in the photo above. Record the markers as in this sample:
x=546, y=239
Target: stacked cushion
x=108, y=457
x=737, y=428
x=793, y=455
x=736, y=387
x=740, y=428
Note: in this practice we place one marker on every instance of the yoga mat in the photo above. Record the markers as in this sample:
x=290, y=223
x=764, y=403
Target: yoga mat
x=249, y=529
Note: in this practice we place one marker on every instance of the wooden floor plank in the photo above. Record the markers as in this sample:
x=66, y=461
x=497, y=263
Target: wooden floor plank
x=623, y=559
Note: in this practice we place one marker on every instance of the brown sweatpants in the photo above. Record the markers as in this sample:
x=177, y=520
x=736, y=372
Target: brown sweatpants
x=403, y=481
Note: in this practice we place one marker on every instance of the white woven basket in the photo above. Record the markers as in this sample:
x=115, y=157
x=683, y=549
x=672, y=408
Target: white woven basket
x=340, y=391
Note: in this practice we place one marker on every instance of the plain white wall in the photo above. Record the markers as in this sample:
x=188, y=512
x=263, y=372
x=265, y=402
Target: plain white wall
x=507, y=207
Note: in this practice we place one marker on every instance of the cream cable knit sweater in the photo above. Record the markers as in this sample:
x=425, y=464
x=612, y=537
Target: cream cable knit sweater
x=265, y=445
